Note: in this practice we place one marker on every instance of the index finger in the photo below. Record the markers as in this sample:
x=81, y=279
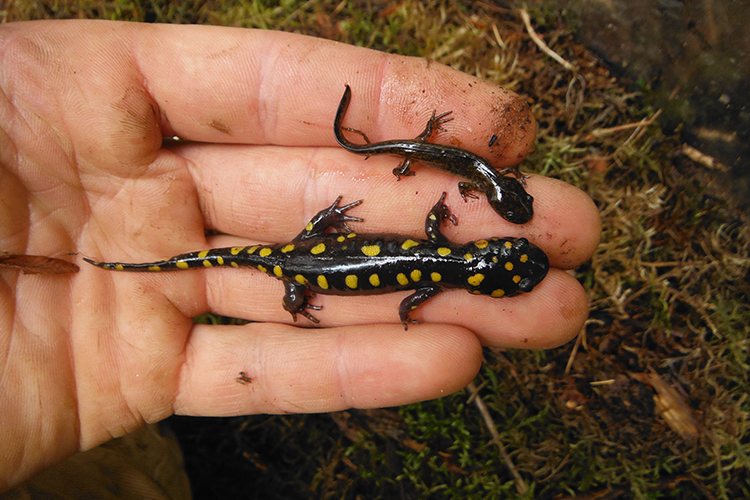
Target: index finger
x=247, y=86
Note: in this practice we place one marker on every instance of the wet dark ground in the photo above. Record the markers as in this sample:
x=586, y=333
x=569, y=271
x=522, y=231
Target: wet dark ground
x=690, y=59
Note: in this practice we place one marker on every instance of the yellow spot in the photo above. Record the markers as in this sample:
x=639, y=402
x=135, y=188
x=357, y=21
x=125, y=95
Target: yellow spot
x=287, y=248
x=309, y=226
x=252, y=249
x=234, y=264
x=509, y=266
x=154, y=268
x=516, y=278
x=374, y=280
x=402, y=279
x=277, y=271
x=220, y=260
x=371, y=250
x=341, y=239
x=322, y=282
x=202, y=255
x=476, y=292
x=207, y=263
x=236, y=250
x=351, y=235
x=495, y=259
x=318, y=249
x=265, y=252
x=481, y=243
x=406, y=245
x=301, y=279
x=262, y=269
x=476, y=279
x=351, y=281
x=416, y=275
x=119, y=267
x=498, y=293
x=508, y=244
x=432, y=217
x=524, y=258
x=443, y=251
x=182, y=265
x=468, y=256
x=435, y=277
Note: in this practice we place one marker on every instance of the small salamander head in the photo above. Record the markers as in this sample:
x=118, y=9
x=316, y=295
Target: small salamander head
x=511, y=201
x=504, y=267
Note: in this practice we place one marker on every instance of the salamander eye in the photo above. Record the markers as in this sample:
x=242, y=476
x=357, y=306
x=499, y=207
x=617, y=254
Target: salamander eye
x=522, y=244
x=526, y=285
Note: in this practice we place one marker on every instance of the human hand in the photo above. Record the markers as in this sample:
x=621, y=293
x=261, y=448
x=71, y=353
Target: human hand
x=90, y=356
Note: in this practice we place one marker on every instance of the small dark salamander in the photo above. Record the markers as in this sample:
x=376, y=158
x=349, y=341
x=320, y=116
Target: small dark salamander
x=346, y=263
x=506, y=195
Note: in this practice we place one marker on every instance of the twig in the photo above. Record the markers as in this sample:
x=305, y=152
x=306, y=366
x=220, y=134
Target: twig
x=579, y=339
x=699, y=157
x=554, y=55
x=601, y=132
x=520, y=484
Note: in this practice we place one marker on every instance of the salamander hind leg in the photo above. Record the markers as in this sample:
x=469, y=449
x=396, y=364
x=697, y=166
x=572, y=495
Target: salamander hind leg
x=364, y=136
x=331, y=217
x=433, y=124
x=415, y=300
x=403, y=170
x=295, y=302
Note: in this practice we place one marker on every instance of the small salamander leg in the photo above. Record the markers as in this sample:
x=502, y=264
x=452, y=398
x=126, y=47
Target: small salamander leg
x=404, y=169
x=514, y=172
x=434, y=123
x=465, y=189
x=435, y=217
x=364, y=136
x=331, y=217
x=295, y=302
x=415, y=300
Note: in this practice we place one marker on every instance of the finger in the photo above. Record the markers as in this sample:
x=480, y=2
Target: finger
x=132, y=83
x=261, y=87
x=292, y=370
x=255, y=197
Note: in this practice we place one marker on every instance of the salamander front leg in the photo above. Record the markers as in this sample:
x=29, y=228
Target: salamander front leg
x=517, y=174
x=466, y=188
x=435, y=217
x=415, y=300
x=331, y=217
x=295, y=302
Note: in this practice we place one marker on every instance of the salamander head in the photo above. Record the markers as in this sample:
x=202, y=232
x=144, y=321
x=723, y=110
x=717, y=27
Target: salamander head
x=504, y=267
x=511, y=201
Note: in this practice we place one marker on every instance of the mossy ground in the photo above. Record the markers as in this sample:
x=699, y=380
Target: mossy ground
x=651, y=400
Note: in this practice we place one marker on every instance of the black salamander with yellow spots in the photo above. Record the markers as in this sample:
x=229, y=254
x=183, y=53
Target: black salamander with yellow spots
x=346, y=263
x=506, y=195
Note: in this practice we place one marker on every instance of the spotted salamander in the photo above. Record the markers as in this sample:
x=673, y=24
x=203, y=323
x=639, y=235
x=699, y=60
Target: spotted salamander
x=506, y=195
x=347, y=263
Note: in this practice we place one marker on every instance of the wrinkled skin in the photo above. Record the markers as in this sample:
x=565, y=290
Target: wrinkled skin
x=83, y=109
